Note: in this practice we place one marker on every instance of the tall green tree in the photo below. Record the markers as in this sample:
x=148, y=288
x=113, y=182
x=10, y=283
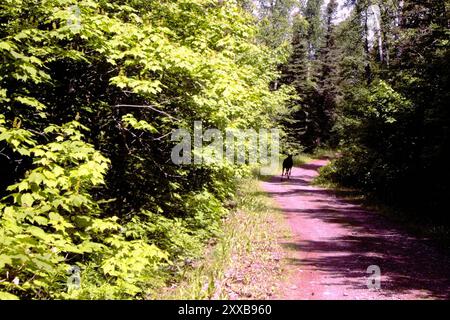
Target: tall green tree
x=328, y=74
x=313, y=71
x=275, y=22
x=393, y=125
x=296, y=73
x=313, y=14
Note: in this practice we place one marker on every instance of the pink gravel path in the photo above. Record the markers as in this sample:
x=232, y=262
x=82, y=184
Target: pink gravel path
x=335, y=241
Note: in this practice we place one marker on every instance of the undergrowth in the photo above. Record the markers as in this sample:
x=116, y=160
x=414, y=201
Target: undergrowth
x=246, y=261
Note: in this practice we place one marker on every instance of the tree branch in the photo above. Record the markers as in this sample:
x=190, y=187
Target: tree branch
x=145, y=107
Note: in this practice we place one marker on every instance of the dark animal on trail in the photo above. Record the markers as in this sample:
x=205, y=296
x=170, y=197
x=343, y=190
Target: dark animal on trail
x=287, y=167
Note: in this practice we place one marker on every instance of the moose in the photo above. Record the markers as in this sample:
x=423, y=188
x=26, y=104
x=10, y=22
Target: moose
x=287, y=167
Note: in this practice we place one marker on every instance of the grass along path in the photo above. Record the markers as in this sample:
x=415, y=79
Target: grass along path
x=248, y=260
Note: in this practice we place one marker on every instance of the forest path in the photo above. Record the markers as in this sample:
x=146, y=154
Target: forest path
x=335, y=241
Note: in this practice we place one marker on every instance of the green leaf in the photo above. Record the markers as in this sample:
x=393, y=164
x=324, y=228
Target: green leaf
x=27, y=200
x=8, y=296
x=4, y=260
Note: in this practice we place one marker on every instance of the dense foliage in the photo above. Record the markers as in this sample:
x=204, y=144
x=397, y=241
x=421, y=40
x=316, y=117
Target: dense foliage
x=377, y=88
x=396, y=127
x=312, y=71
x=89, y=93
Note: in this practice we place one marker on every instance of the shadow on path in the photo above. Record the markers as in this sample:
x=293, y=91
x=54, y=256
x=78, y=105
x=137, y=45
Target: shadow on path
x=336, y=240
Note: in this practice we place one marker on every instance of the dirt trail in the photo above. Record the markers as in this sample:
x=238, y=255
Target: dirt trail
x=336, y=241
